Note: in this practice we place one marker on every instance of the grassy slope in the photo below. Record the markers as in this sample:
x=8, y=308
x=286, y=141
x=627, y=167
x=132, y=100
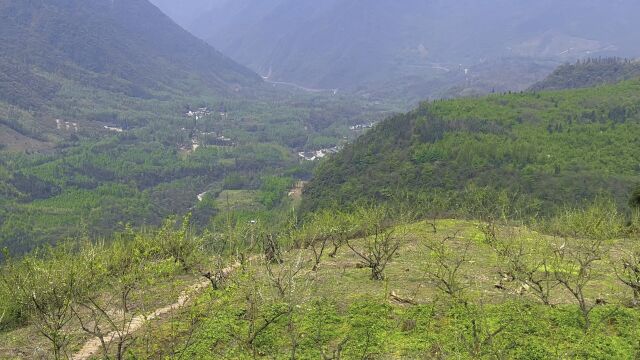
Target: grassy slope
x=27, y=343
x=356, y=308
x=341, y=302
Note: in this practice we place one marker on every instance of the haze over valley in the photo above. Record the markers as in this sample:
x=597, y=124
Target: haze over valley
x=319, y=179
x=419, y=49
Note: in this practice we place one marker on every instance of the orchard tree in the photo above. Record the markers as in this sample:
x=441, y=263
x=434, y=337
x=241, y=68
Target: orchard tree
x=378, y=242
x=446, y=265
x=322, y=230
x=627, y=268
x=526, y=260
x=46, y=284
x=585, y=236
x=117, y=276
x=181, y=244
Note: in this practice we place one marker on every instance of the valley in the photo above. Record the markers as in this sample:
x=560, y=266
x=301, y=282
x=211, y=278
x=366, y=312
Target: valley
x=409, y=180
x=406, y=45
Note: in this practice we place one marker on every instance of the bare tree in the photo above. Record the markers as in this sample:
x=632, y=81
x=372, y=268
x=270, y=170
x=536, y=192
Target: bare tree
x=110, y=326
x=528, y=262
x=318, y=247
x=446, y=265
x=627, y=269
x=584, y=234
x=482, y=332
x=259, y=314
x=282, y=276
x=321, y=315
x=317, y=234
x=343, y=227
x=107, y=312
x=575, y=270
x=46, y=286
x=271, y=249
x=290, y=281
x=448, y=259
x=183, y=331
x=180, y=244
x=433, y=211
x=217, y=275
x=239, y=239
x=377, y=251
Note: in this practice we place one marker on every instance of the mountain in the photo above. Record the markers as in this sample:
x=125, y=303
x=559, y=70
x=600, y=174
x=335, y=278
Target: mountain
x=590, y=72
x=541, y=150
x=355, y=44
x=123, y=47
x=185, y=13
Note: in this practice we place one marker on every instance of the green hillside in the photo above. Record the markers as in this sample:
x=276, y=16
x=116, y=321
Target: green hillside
x=345, y=285
x=79, y=60
x=125, y=46
x=590, y=72
x=542, y=150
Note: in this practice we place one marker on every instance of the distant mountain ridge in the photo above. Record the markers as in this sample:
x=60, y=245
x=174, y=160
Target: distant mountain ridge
x=590, y=72
x=356, y=44
x=123, y=46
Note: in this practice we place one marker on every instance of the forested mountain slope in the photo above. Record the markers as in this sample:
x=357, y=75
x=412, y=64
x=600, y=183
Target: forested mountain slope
x=70, y=59
x=542, y=149
x=351, y=44
x=590, y=72
x=128, y=46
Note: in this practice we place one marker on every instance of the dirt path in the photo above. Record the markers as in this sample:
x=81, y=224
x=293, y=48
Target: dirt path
x=296, y=191
x=334, y=91
x=93, y=346
x=268, y=80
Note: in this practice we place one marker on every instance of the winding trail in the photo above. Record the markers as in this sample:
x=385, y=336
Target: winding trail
x=93, y=346
x=268, y=80
x=334, y=91
x=296, y=192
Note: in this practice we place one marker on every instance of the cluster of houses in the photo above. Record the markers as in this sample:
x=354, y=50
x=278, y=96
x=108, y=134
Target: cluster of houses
x=199, y=138
x=360, y=127
x=198, y=114
x=195, y=144
x=213, y=138
x=66, y=125
x=72, y=126
x=318, y=154
x=220, y=141
x=113, y=128
x=204, y=112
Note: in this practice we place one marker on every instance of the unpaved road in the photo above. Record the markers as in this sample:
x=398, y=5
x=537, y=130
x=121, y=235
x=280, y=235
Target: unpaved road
x=268, y=80
x=296, y=192
x=92, y=347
